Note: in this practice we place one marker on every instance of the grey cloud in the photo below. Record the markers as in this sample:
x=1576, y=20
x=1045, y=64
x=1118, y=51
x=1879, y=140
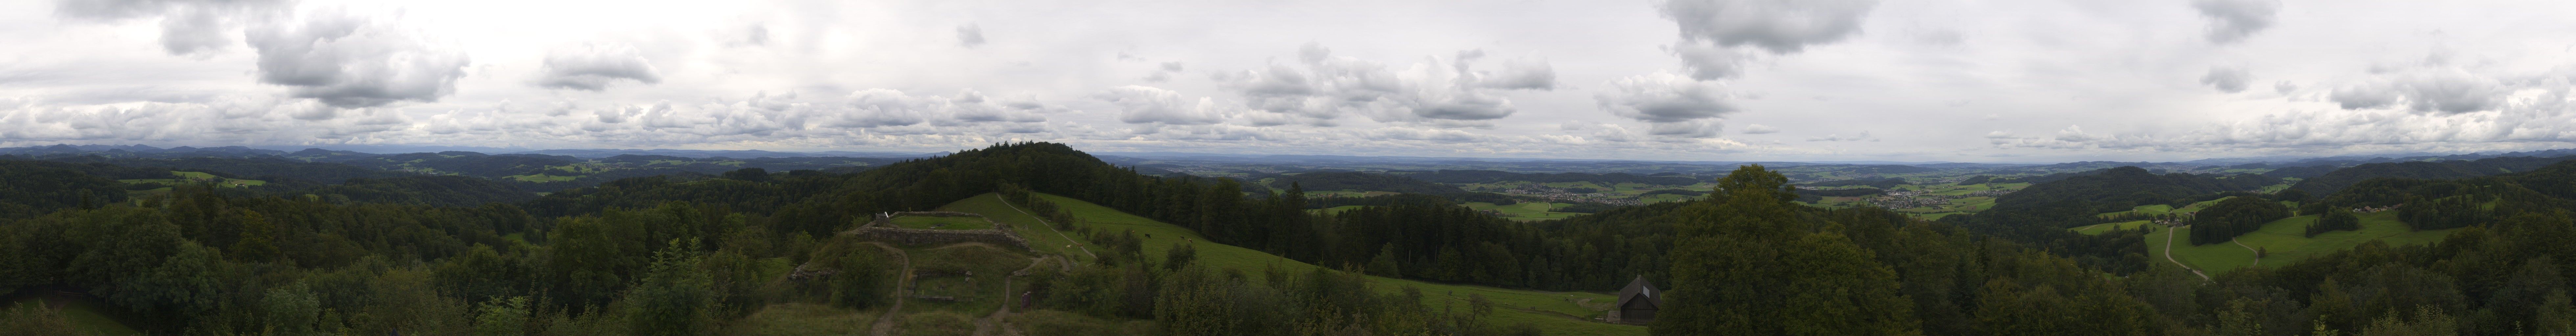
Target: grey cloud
x=1760, y=129
x=187, y=26
x=1173, y=66
x=1864, y=136
x=2227, y=79
x=1664, y=98
x=2284, y=87
x=1149, y=105
x=2364, y=96
x=593, y=67
x=1776, y=25
x=970, y=35
x=350, y=61
x=1702, y=128
x=1521, y=75
x=195, y=30
x=2233, y=20
x=2437, y=90
x=881, y=108
x=973, y=107
x=1436, y=93
x=1709, y=61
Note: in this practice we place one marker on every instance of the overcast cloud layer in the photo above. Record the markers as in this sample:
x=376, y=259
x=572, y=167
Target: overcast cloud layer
x=1915, y=80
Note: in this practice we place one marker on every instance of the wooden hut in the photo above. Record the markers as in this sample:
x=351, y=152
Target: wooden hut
x=1637, y=302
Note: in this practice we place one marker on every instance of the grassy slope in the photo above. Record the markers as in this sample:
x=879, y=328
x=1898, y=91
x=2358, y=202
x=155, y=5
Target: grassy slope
x=2107, y=227
x=85, y=315
x=2286, y=241
x=1521, y=302
x=1042, y=239
x=943, y=223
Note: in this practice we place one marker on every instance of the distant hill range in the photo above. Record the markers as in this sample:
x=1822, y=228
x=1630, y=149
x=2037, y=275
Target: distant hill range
x=2336, y=180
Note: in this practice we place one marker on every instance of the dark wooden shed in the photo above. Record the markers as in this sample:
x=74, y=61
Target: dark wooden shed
x=1637, y=302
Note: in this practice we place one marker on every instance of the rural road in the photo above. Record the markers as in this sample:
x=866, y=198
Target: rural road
x=2258, y=254
x=2169, y=232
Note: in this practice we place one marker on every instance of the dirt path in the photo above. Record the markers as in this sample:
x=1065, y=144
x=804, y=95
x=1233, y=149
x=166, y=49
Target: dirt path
x=1086, y=250
x=885, y=324
x=2169, y=237
x=995, y=322
x=2258, y=254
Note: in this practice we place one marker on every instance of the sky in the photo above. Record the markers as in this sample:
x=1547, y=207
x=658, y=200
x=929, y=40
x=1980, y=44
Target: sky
x=1715, y=80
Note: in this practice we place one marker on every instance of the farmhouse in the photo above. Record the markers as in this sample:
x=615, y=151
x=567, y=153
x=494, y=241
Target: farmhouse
x=1637, y=303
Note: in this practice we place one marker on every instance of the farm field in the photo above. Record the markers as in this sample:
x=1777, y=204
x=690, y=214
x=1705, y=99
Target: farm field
x=1524, y=211
x=1547, y=310
x=2284, y=240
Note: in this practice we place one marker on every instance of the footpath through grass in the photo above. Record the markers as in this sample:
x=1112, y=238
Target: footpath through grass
x=2286, y=242
x=1555, y=313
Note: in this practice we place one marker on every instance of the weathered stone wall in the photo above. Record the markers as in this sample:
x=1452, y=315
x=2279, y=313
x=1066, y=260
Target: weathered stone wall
x=1000, y=234
x=887, y=217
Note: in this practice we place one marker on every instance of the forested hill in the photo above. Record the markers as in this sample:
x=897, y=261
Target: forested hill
x=257, y=168
x=2334, y=181
x=1364, y=182
x=2076, y=199
x=29, y=188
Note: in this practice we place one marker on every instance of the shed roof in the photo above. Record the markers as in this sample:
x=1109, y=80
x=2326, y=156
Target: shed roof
x=1639, y=289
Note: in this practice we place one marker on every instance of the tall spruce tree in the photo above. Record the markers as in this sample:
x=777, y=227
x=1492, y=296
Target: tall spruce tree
x=1749, y=263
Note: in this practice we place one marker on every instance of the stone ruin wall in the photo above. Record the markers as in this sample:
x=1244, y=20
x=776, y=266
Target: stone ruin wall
x=881, y=230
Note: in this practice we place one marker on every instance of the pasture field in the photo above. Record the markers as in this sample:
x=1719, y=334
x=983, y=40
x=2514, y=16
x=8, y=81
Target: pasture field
x=1548, y=311
x=2096, y=229
x=2285, y=242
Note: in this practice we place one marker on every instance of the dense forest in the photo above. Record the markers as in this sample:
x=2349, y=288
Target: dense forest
x=684, y=255
x=2338, y=179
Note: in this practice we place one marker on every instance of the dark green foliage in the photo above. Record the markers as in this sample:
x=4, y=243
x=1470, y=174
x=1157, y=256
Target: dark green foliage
x=1750, y=265
x=1179, y=256
x=1812, y=195
x=2334, y=182
x=754, y=174
x=2292, y=195
x=270, y=169
x=2302, y=172
x=2443, y=212
x=674, y=297
x=29, y=188
x=2337, y=219
x=2233, y=217
x=442, y=190
x=1683, y=192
